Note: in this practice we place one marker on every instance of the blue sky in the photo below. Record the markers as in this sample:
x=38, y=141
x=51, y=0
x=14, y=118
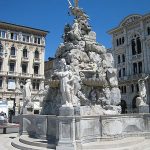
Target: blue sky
x=52, y=15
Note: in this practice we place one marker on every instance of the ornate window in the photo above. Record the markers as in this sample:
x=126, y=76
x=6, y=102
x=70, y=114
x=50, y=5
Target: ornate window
x=138, y=41
x=25, y=53
x=134, y=68
x=120, y=41
x=123, y=58
x=35, y=84
x=36, y=54
x=136, y=45
x=137, y=87
x=36, y=69
x=124, y=71
x=119, y=73
x=12, y=66
x=24, y=68
x=13, y=36
x=148, y=30
x=133, y=47
x=117, y=42
x=13, y=51
x=140, y=66
x=119, y=59
x=132, y=88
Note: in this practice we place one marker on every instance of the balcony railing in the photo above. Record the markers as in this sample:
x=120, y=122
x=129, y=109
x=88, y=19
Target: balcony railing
x=25, y=59
x=37, y=76
x=25, y=74
x=12, y=57
x=36, y=60
x=12, y=73
x=133, y=77
x=138, y=56
x=3, y=72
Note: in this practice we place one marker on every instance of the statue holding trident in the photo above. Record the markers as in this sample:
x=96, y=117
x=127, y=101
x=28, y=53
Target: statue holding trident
x=75, y=2
x=76, y=11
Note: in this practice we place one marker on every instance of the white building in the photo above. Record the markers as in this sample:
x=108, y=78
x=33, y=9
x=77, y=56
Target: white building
x=131, y=51
x=22, y=51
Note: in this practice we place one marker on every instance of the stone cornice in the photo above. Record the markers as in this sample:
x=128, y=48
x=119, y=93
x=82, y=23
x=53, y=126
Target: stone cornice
x=18, y=28
x=129, y=21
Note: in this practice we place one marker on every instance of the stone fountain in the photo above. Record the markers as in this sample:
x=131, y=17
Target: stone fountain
x=81, y=104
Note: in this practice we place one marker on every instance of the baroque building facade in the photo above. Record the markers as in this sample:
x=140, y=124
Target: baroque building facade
x=22, y=51
x=131, y=51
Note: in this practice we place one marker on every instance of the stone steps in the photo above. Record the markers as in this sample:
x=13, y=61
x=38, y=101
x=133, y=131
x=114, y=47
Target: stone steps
x=25, y=143
x=134, y=143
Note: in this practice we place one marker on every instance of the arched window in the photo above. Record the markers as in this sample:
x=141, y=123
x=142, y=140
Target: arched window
x=123, y=106
x=124, y=71
x=140, y=66
x=13, y=51
x=123, y=58
x=36, y=54
x=137, y=87
x=119, y=73
x=25, y=53
x=118, y=59
x=132, y=88
x=117, y=42
x=138, y=41
x=133, y=47
x=122, y=40
x=134, y=68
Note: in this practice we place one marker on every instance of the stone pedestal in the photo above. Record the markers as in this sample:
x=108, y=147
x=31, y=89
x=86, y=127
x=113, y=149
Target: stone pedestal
x=143, y=109
x=66, y=111
x=66, y=121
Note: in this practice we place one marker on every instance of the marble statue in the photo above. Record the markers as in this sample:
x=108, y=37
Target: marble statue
x=27, y=90
x=142, y=99
x=66, y=84
x=83, y=73
x=76, y=30
x=27, y=95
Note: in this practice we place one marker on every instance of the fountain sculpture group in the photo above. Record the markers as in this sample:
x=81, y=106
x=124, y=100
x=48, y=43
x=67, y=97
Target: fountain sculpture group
x=82, y=102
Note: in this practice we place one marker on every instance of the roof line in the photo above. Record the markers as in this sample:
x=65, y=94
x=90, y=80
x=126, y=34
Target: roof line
x=24, y=26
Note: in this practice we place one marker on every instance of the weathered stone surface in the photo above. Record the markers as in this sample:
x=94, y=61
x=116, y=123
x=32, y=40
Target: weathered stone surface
x=108, y=61
x=87, y=75
x=112, y=77
x=143, y=109
x=79, y=55
x=115, y=96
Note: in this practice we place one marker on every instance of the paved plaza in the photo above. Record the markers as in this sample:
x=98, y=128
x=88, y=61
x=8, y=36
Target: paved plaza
x=6, y=139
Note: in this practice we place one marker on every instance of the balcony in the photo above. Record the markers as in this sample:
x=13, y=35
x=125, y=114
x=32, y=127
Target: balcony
x=12, y=73
x=36, y=60
x=3, y=73
x=25, y=59
x=137, y=76
x=12, y=57
x=123, y=79
x=25, y=75
x=37, y=76
x=136, y=57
